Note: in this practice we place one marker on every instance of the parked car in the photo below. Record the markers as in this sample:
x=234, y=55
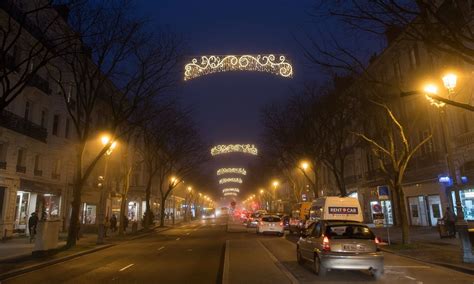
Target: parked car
x=271, y=224
x=252, y=221
x=332, y=244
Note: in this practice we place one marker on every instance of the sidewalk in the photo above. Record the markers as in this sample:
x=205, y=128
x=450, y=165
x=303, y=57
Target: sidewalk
x=427, y=246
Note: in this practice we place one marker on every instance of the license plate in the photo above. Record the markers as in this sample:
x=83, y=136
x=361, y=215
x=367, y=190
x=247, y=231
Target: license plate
x=349, y=247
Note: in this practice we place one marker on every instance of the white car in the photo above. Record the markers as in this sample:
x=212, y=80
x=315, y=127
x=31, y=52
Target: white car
x=271, y=224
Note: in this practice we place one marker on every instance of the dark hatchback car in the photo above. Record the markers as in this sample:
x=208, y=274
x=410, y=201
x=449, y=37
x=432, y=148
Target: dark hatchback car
x=340, y=245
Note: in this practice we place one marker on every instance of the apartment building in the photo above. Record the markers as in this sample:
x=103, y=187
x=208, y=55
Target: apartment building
x=410, y=65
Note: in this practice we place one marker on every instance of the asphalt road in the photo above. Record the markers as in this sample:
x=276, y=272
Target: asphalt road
x=195, y=253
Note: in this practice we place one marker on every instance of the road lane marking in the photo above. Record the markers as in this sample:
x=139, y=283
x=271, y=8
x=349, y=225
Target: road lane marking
x=407, y=266
x=126, y=267
x=178, y=239
x=278, y=264
x=409, y=277
x=161, y=248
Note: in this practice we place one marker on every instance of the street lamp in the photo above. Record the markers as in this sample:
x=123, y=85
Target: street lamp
x=449, y=82
x=106, y=140
x=304, y=165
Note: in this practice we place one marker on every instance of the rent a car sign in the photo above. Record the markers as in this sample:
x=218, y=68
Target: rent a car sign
x=343, y=210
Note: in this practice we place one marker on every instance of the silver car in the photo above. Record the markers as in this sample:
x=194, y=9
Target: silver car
x=340, y=245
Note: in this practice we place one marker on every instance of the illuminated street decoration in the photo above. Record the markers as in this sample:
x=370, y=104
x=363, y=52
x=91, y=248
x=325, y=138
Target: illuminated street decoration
x=227, y=180
x=236, y=190
x=230, y=194
x=210, y=64
x=243, y=148
x=223, y=171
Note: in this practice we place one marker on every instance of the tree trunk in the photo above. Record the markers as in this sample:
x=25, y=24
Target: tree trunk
x=74, y=222
x=123, y=208
x=403, y=214
x=162, y=212
x=148, y=215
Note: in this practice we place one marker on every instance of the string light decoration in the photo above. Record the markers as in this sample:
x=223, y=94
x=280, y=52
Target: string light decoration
x=243, y=148
x=224, y=171
x=233, y=189
x=230, y=194
x=227, y=180
x=210, y=64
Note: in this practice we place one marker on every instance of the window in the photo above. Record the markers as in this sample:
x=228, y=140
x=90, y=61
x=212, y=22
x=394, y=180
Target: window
x=37, y=162
x=317, y=230
x=27, y=110
x=397, y=72
x=3, y=151
x=2, y=198
x=55, y=124
x=426, y=148
x=44, y=118
x=349, y=231
x=66, y=132
x=21, y=157
x=56, y=171
x=370, y=162
x=414, y=57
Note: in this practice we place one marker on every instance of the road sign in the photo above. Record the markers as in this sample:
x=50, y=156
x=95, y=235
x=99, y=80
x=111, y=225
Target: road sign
x=383, y=192
x=379, y=219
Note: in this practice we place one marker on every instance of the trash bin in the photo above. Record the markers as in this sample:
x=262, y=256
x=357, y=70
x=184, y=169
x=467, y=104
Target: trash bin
x=442, y=229
x=471, y=235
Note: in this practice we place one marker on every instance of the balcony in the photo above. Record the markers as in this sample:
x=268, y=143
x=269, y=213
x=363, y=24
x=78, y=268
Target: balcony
x=19, y=124
x=465, y=139
x=38, y=173
x=41, y=84
x=20, y=169
x=3, y=165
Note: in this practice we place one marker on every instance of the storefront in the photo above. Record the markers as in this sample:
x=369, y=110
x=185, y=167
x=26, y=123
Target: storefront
x=467, y=201
x=89, y=213
x=44, y=199
x=385, y=207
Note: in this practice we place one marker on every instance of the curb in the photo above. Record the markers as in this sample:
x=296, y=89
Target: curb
x=446, y=265
x=33, y=267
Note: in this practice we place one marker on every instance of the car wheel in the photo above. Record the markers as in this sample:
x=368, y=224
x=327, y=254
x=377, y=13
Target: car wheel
x=319, y=268
x=377, y=273
x=299, y=258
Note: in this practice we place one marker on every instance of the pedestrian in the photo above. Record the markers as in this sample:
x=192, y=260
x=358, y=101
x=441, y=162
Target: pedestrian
x=450, y=219
x=125, y=223
x=113, y=223
x=32, y=224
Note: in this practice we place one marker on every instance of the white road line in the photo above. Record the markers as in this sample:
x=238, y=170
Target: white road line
x=178, y=239
x=283, y=269
x=407, y=266
x=161, y=248
x=128, y=266
x=409, y=277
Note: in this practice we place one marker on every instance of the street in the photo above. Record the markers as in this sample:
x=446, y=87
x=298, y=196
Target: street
x=205, y=252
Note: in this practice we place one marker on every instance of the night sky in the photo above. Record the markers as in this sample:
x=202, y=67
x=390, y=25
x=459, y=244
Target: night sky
x=227, y=105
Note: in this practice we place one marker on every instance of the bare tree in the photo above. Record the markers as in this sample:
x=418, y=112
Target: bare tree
x=393, y=150
x=116, y=68
x=31, y=36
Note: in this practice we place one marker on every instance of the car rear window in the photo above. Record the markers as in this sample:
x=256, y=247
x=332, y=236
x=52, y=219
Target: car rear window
x=271, y=219
x=349, y=231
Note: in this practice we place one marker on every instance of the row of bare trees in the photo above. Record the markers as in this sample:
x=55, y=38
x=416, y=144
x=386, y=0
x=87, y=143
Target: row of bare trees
x=106, y=63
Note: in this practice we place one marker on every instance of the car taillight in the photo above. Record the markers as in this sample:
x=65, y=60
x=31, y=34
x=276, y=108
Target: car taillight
x=326, y=246
x=281, y=223
x=377, y=240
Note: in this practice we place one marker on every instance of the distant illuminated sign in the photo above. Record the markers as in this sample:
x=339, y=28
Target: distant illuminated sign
x=343, y=210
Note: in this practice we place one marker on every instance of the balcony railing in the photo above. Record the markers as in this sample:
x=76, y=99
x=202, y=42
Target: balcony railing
x=20, y=169
x=39, y=83
x=38, y=173
x=465, y=139
x=3, y=165
x=19, y=124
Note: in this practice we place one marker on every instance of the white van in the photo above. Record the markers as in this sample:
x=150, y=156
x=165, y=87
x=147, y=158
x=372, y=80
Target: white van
x=336, y=208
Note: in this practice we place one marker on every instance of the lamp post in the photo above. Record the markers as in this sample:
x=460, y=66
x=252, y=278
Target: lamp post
x=275, y=184
x=103, y=187
x=449, y=82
